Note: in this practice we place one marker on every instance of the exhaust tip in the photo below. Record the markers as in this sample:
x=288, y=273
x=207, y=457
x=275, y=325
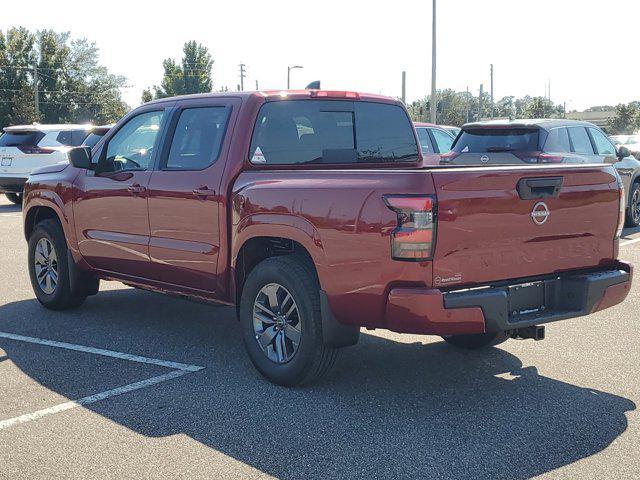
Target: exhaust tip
x=535, y=332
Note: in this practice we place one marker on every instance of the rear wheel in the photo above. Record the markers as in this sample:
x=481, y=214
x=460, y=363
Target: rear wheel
x=633, y=209
x=281, y=322
x=49, y=267
x=14, y=198
x=477, y=341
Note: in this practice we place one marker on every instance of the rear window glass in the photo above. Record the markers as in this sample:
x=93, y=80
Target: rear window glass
x=483, y=140
x=16, y=139
x=557, y=141
x=333, y=132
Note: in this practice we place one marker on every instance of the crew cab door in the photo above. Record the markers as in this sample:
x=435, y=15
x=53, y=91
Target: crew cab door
x=110, y=209
x=186, y=203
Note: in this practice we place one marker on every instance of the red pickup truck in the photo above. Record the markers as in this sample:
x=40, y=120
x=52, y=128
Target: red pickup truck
x=311, y=213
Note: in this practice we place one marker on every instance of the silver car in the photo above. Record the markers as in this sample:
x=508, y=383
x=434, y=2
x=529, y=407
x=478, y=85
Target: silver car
x=525, y=142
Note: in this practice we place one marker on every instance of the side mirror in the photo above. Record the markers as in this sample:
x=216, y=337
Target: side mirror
x=80, y=157
x=623, y=152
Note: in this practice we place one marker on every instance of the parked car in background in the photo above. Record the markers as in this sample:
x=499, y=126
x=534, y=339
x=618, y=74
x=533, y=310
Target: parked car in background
x=24, y=148
x=452, y=130
x=311, y=212
x=527, y=142
x=434, y=140
x=632, y=142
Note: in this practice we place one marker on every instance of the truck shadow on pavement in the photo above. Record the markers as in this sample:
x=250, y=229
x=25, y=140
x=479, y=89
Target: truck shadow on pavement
x=388, y=410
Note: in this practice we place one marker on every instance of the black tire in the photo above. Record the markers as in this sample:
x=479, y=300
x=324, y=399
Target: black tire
x=477, y=341
x=312, y=359
x=61, y=297
x=633, y=209
x=15, y=198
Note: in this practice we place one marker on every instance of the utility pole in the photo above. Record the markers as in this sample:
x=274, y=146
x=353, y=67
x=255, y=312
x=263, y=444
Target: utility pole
x=432, y=102
x=404, y=86
x=257, y=85
x=480, y=103
x=36, y=87
x=492, y=90
x=242, y=75
x=468, y=103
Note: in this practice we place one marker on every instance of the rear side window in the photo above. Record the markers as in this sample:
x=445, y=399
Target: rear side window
x=17, y=139
x=71, y=138
x=331, y=132
x=557, y=141
x=603, y=145
x=580, y=140
x=483, y=140
x=425, y=140
x=198, y=138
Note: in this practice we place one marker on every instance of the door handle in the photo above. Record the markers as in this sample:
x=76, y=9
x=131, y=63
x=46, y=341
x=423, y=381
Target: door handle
x=136, y=188
x=203, y=192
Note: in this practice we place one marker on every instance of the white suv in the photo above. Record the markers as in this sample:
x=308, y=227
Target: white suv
x=24, y=148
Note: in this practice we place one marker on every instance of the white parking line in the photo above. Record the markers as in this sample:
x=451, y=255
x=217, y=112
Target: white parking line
x=16, y=215
x=179, y=369
x=629, y=242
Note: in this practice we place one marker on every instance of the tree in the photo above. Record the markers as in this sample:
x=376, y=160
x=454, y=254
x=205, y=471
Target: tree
x=192, y=75
x=72, y=86
x=626, y=119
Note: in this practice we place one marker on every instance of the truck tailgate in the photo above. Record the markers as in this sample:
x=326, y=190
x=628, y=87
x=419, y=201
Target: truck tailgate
x=489, y=229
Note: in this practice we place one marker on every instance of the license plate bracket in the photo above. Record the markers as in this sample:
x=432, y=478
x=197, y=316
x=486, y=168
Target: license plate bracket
x=526, y=298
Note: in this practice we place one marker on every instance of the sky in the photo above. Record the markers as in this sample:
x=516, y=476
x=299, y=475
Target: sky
x=583, y=47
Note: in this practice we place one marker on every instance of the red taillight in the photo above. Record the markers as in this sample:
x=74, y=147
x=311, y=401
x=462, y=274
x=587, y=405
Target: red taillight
x=334, y=94
x=621, y=208
x=448, y=157
x=550, y=158
x=412, y=239
x=35, y=150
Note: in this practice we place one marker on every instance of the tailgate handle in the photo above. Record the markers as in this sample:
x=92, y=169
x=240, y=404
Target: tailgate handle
x=533, y=188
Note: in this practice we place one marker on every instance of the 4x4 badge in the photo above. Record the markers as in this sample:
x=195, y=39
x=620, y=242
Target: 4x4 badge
x=540, y=213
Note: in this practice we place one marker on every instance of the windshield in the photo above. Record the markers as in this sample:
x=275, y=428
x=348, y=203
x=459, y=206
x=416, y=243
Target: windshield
x=483, y=140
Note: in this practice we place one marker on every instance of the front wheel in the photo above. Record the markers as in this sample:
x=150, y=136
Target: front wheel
x=281, y=322
x=15, y=198
x=49, y=267
x=477, y=341
x=633, y=209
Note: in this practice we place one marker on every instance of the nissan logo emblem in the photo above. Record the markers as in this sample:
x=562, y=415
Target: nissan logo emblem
x=540, y=213
x=484, y=158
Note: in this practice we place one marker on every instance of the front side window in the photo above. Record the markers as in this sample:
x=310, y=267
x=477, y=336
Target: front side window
x=558, y=141
x=198, y=138
x=331, y=132
x=580, y=140
x=443, y=140
x=603, y=145
x=132, y=147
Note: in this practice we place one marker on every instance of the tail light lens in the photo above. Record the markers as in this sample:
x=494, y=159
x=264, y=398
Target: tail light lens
x=35, y=150
x=412, y=240
x=538, y=157
x=621, y=208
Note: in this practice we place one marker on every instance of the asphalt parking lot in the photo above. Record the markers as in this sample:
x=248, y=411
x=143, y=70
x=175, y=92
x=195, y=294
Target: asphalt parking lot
x=138, y=385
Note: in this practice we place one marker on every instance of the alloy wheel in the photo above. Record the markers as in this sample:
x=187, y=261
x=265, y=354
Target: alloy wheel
x=635, y=206
x=277, y=323
x=46, y=266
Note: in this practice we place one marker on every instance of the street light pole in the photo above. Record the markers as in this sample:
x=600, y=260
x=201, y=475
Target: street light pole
x=289, y=68
x=432, y=103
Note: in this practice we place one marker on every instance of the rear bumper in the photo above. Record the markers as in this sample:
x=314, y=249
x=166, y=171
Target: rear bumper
x=499, y=307
x=12, y=184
